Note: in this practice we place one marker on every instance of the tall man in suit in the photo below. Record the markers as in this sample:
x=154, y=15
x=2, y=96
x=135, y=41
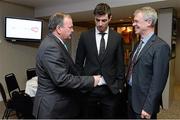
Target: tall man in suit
x=105, y=59
x=148, y=69
x=58, y=79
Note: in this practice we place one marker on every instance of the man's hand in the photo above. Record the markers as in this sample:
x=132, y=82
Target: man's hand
x=146, y=115
x=96, y=79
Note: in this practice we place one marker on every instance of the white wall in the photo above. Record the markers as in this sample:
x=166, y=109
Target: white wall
x=165, y=32
x=15, y=57
x=85, y=5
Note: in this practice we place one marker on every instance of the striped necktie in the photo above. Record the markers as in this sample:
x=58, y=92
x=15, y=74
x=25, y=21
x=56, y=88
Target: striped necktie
x=134, y=59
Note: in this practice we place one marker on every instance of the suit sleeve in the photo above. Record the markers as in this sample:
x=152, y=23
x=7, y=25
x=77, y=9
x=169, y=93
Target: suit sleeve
x=159, y=78
x=80, y=55
x=120, y=73
x=58, y=70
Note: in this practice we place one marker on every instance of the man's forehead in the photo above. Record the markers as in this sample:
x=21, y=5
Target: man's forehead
x=101, y=16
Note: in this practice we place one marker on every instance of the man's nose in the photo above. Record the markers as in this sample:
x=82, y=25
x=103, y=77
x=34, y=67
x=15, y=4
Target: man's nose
x=100, y=23
x=133, y=24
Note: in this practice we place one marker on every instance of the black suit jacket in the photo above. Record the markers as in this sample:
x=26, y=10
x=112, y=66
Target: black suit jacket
x=58, y=81
x=111, y=66
x=149, y=75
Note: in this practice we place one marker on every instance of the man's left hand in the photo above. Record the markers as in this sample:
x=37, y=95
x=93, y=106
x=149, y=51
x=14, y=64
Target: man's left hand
x=146, y=115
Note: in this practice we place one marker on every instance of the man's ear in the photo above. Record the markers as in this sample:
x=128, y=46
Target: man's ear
x=58, y=29
x=110, y=18
x=149, y=22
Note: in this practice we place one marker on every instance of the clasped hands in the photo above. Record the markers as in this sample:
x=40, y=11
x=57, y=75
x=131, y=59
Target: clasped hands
x=97, y=79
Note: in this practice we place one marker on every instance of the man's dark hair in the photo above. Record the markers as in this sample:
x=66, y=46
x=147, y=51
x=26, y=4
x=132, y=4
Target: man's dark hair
x=102, y=9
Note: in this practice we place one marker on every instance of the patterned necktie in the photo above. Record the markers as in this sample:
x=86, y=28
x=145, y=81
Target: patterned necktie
x=102, y=45
x=134, y=59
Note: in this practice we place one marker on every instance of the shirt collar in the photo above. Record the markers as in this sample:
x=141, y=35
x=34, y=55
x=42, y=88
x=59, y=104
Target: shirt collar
x=61, y=41
x=146, y=38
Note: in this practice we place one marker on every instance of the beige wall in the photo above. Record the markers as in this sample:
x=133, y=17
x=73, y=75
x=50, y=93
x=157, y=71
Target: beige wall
x=75, y=40
x=15, y=57
x=177, y=59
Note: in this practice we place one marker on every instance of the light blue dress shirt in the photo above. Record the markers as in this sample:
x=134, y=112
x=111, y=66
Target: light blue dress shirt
x=145, y=40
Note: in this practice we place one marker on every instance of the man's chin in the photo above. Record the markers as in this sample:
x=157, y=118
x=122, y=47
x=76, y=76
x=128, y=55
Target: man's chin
x=137, y=31
x=69, y=38
x=101, y=29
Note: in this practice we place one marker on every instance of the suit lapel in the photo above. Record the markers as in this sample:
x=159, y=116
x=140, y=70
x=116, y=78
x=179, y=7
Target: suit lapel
x=147, y=46
x=66, y=53
x=92, y=37
x=63, y=48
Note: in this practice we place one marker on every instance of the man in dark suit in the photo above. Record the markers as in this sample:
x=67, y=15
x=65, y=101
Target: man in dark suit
x=148, y=69
x=100, y=52
x=58, y=80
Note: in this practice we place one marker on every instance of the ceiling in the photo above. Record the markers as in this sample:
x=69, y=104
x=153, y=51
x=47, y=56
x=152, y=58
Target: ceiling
x=119, y=13
x=41, y=3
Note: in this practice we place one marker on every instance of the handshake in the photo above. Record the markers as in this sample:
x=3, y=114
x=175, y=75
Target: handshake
x=97, y=79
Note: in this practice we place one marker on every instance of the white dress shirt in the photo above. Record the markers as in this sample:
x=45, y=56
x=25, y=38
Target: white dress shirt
x=98, y=41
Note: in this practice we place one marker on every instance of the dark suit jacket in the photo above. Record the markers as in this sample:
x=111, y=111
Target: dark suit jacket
x=149, y=75
x=111, y=66
x=57, y=83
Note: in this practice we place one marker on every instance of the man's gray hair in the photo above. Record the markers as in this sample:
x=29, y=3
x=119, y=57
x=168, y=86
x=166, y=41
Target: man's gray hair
x=149, y=13
x=57, y=19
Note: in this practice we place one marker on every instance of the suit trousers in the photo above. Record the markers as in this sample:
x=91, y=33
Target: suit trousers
x=100, y=103
x=131, y=113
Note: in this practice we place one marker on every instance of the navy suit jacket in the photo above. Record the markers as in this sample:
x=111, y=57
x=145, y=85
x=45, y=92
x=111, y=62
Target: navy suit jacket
x=149, y=75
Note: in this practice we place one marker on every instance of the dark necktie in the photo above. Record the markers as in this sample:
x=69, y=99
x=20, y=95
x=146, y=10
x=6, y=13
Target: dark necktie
x=133, y=60
x=102, y=45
